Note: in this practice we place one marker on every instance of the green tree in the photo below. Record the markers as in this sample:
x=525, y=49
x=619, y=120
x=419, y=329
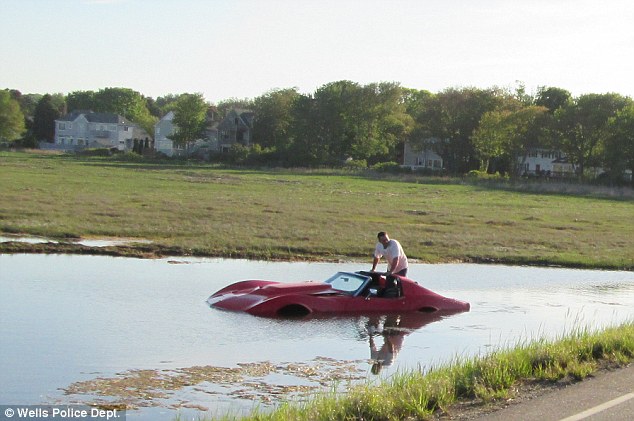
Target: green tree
x=165, y=103
x=491, y=136
x=81, y=100
x=384, y=113
x=307, y=146
x=227, y=105
x=452, y=116
x=273, y=116
x=423, y=107
x=552, y=98
x=619, y=144
x=125, y=102
x=521, y=95
x=346, y=120
x=12, y=125
x=325, y=124
x=190, y=113
x=48, y=109
x=509, y=134
x=582, y=126
x=153, y=108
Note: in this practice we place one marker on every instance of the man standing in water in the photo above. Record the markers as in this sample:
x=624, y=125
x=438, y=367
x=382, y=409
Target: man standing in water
x=394, y=254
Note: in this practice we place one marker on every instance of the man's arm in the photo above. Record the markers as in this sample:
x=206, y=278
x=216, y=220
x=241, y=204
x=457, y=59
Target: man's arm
x=375, y=262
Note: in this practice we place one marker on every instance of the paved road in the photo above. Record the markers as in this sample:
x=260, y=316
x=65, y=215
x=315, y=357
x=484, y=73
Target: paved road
x=607, y=397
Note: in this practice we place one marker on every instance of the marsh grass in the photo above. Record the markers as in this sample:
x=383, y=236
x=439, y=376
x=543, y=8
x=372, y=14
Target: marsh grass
x=322, y=214
x=419, y=394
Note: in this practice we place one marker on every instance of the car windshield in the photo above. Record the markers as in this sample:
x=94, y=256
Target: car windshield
x=347, y=282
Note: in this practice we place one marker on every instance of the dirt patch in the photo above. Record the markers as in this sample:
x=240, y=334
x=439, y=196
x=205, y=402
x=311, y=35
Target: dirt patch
x=472, y=409
x=524, y=391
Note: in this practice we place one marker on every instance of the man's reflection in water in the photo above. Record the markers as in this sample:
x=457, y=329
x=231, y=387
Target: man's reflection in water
x=392, y=337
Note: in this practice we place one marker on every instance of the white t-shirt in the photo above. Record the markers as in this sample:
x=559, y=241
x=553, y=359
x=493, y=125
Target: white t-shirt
x=393, y=250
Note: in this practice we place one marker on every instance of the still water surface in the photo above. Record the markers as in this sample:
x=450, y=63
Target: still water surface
x=66, y=319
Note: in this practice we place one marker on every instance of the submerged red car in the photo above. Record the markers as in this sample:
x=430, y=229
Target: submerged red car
x=344, y=292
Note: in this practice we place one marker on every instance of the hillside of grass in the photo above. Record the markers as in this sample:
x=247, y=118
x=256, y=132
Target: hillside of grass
x=206, y=210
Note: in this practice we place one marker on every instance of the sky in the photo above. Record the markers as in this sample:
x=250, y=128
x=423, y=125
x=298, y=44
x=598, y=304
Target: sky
x=244, y=48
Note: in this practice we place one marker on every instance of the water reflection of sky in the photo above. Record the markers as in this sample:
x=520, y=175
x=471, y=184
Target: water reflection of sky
x=69, y=318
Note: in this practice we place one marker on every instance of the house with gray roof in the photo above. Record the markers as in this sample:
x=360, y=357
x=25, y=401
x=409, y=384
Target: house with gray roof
x=81, y=129
x=235, y=128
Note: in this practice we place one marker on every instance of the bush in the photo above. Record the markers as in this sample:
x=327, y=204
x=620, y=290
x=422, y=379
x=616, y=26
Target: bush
x=94, y=152
x=391, y=167
x=356, y=164
x=483, y=175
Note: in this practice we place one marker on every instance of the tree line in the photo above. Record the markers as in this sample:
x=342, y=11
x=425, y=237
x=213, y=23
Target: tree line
x=470, y=128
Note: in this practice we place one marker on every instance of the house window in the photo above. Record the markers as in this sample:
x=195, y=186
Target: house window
x=62, y=126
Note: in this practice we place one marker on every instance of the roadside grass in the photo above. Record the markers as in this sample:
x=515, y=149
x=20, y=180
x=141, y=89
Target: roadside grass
x=480, y=380
x=208, y=210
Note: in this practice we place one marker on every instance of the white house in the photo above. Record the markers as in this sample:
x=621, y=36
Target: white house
x=87, y=129
x=165, y=128
x=162, y=130
x=421, y=158
x=538, y=161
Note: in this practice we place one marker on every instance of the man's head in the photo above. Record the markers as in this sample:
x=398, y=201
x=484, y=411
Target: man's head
x=383, y=238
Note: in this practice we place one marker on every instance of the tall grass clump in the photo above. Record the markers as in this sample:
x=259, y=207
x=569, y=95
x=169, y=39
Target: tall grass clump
x=420, y=394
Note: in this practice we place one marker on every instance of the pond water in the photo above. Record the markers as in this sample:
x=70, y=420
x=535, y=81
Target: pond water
x=86, y=329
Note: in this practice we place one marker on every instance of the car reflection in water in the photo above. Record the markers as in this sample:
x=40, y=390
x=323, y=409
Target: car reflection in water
x=390, y=331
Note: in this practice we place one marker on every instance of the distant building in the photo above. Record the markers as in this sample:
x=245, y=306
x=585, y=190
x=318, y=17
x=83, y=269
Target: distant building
x=235, y=128
x=86, y=129
x=417, y=157
x=544, y=162
x=165, y=128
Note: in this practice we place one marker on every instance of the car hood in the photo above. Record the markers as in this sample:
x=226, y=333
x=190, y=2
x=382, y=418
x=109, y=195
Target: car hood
x=293, y=288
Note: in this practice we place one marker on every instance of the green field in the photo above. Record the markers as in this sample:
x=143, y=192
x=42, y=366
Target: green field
x=201, y=209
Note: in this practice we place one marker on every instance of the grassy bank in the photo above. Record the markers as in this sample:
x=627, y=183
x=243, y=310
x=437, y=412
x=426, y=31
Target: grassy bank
x=478, y=380
x=211, y=211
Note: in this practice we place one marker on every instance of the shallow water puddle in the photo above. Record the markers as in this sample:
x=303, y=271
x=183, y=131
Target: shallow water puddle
x=139, y=333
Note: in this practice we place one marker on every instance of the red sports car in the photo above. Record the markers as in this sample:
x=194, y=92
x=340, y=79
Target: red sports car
x=344, y=292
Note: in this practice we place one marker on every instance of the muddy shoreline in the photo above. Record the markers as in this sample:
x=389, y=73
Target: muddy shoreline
x=148, y=250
